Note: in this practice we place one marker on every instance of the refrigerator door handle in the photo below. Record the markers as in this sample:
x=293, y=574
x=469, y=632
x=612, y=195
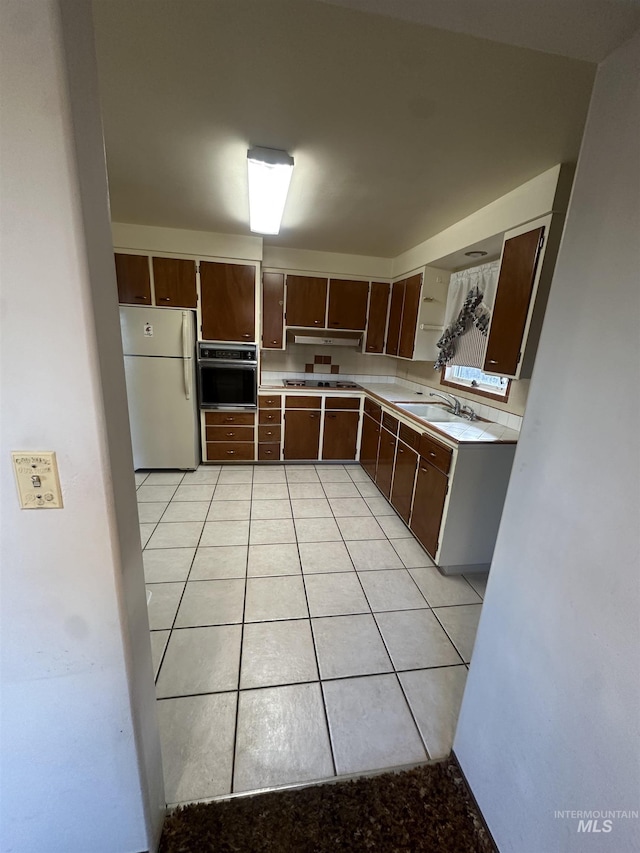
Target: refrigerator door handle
x=186, y=355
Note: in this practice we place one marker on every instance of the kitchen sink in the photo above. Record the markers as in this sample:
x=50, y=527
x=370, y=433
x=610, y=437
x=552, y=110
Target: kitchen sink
x=429, y=412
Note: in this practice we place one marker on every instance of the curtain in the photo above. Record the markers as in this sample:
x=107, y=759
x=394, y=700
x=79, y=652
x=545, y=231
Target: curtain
x=470, y=301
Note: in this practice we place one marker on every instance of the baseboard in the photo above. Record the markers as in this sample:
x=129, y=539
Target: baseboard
x=454, y=758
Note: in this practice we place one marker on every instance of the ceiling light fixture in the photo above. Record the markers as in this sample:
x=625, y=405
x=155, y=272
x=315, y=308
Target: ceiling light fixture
x=269, y=177
x=476, y=253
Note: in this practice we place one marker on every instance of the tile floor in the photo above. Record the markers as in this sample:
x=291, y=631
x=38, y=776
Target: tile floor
x=298, y=629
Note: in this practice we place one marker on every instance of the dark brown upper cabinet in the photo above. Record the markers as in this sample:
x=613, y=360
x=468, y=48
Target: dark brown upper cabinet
x=516, y=282
x=228, y=301
x=348, y=304
x=395, y=317
x=410, y=311
x=132, y=276
x=306, y=301
x=174, y=281
x=377, y=318
x=272, y=310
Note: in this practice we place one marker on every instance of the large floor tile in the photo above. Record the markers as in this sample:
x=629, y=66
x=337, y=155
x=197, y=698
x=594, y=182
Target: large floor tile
x=186, y=511
x=371, y=725
x=391, y=590
x=302, y=475
x=349, y=507
x=271, y=509
x=164, y=478
x=229, y=511
x=415, y=639
x=217, y=563
x=151, y=513
x=357, y=473
x=163, y=604
x=277, y=653
x=207, y=475
x=305, y=491
x=183, y=534
x=311, y=508
x=412, y=553
x=461, y=624
x=394, y=527
x=269, y=474
x=368, y=489
x=348, y=646
x=271, y=531
x=373, y=554
x=146, y=531
x=272, y=560
x=158, y=645
x=232, y=492
x=340, y=490
x=333, y=474
x=235, y=475
x=440, y=590
x=196, y=733
x=378, y=505
x=155, y=494
x=217, y=602
x=198, y=492
x=270, y=492
x=225, y=533
x=275, y=598
x=435, y=696
x=324, y=557
x=360, y=528
x=317, y=530
x=478, y=581
x=200, y=660
x=337, y=594
x=167, y=564
x=140, y=477
x=282, y=737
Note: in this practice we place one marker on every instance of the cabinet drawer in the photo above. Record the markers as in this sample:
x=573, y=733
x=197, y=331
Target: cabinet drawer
x=230, y=433
x=409, y=436
x=270, y=401
x=225, y=418
x=299, y=402
x=342, y=403
x=436, y=453
x=270, y=416
x=372, y=409
x=268, y=433
x=230, y=450
x=269, y=450
x=390, y=423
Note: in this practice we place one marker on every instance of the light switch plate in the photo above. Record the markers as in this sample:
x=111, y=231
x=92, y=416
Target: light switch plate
x=37, y=479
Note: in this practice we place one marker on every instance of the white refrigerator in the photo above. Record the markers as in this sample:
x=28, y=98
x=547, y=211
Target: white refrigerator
x=159, y=361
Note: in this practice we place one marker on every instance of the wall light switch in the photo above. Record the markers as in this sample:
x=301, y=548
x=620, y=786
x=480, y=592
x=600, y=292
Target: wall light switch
x=37, y=479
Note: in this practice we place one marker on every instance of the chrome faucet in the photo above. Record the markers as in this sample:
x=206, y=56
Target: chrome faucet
x=453, y=402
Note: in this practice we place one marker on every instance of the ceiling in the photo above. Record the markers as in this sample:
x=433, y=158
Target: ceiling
x=398, y=129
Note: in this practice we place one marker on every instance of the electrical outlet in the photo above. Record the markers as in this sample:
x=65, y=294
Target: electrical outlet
x=37, y=479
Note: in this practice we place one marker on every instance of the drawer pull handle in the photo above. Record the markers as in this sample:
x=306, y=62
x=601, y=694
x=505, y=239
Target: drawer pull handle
x=230, y=434
x=431, y=453
x=268, y=452
x=229, y=420
x=246, y=335
x=274, y=342
x=424, y=469
x=492, y=361
x=165, y=299
x=230, y=452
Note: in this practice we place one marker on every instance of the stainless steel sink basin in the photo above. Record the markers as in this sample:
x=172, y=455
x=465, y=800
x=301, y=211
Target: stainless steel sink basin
x=434, y=414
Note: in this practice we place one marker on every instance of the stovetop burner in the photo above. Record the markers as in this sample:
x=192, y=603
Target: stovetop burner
x=317, y=383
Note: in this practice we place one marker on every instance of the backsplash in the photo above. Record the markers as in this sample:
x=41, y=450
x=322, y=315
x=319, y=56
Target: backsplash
x=295, y=358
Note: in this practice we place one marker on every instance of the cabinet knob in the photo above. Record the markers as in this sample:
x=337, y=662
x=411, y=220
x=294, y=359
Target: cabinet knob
x=274, y=342
x=230, y=434
x=230, y=452
x=229, y=420
x=316, y=322
x=313, y=416
x=246, y=336
x=268, y=452
x=492, y=361
x=140, y=297
x=165, y=299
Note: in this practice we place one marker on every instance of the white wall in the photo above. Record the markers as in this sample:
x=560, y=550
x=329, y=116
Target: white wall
x=81, y=767
x=149, y=238
x=551, y=714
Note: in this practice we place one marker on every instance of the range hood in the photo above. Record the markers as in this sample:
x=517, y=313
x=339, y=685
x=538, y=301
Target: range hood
x=325, y=337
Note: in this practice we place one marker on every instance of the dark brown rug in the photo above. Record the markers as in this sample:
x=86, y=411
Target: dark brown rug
x=424, y=809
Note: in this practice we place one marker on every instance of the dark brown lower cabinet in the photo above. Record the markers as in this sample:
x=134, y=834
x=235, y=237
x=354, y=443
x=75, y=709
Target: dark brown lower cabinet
x=386, y=456
x=428, y=505
x=301, y=434
x=340, y=435
x=369, y=445
x=403, y=479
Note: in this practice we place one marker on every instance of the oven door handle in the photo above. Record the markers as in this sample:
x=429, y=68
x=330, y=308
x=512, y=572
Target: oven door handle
x=186, y=355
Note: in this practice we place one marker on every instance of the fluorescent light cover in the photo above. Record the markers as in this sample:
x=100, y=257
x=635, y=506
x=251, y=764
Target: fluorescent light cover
x=269, y=177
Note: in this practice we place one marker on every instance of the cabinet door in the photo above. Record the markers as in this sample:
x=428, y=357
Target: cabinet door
x=174, y=280
x=377, y=319
x=301, y=434
x=386, y=456
x=348, y=304
x=511, y=307
x=410, y=311
x=395, y=318
x=306, y=301
x=428, y=505
x=272, y=310
x=369, y=445
x=340, y=435
x=403, y=479
x=134, y=283
x=228, y=301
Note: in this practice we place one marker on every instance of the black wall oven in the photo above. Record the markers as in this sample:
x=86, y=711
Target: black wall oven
x=227, y=375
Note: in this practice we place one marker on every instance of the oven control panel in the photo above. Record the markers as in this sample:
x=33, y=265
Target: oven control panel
x=223, y=351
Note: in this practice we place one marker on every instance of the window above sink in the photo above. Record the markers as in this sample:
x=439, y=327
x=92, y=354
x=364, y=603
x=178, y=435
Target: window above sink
x=473, y=380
